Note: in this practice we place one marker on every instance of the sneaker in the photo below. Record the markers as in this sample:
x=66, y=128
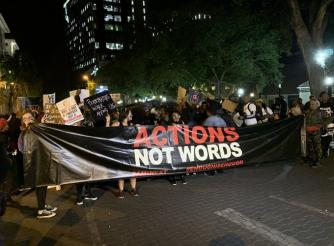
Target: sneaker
x=120, y=195
x=316, y=165
x=133, y=192
x=79, y=201
x=44, y=214
x=50, y=208
x=183, y=180
x=173, y=182
x=90, y=197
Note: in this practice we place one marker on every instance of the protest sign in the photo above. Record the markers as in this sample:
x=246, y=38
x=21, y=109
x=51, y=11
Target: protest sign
x=49, y=98
x=82, y=93
x=194, y=97
x=229, y=105
x=69, y=111
x=52, y=114
x=181, y=94
x=100, y=104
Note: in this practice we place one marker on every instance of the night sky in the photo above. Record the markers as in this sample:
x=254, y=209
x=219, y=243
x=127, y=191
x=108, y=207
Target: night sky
x=38, y=27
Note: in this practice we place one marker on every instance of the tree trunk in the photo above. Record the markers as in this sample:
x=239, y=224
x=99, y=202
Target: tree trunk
x=316, y=79
x=218, y=94
x=309, y=42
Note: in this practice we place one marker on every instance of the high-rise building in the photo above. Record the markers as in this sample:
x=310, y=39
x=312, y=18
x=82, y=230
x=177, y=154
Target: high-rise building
x=97, y=29
x=8, y=44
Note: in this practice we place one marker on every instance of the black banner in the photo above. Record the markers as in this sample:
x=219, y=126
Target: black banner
x=57, y=154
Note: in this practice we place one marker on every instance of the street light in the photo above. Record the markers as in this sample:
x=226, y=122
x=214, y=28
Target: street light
x=241, y=92
x=322, y=55
x=329, y=80
x=85, y=77
x=252, y=95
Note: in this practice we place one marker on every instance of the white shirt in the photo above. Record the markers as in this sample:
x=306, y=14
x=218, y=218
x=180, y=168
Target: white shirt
x=266, y=114
x=250, y=114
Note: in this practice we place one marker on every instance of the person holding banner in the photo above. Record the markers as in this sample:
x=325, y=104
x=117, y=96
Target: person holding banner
x=125, y=119
x=176, y=120
x=44, y=211
x=313, y=136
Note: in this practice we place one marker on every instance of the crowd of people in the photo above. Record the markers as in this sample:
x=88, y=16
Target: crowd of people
x=250, y=111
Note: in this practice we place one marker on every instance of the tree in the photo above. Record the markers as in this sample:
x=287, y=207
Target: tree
x=231, y=48
x=310, y=33
x=19, y=77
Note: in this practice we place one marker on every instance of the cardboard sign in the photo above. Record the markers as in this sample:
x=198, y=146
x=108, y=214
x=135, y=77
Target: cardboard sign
x=49, y=98
x=181, y=94
x=69, y=111
x=83, y=93
x=52, y=115
x=116, y=97
x=100, y=104
x=229, y=105
x=194, y=97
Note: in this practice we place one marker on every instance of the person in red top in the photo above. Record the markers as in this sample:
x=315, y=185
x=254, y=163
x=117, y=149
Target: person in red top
x=313, y=136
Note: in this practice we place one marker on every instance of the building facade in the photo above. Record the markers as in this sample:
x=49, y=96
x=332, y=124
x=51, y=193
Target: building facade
x=97, y=29
x=8, y=44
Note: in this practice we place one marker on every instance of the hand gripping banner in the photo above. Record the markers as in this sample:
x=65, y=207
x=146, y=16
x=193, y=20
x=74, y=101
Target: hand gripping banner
x=58, y=154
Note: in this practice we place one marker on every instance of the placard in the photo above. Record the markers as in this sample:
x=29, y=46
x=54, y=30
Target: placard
x=181, y=94
x=52, y=115
x=194, y=97
x=83, y=93
x=69, y=111
x=100, y=104
x=49, y=98
x=229, y=105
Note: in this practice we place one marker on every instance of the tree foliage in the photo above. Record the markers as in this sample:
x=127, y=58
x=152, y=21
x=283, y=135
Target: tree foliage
x=231, y=48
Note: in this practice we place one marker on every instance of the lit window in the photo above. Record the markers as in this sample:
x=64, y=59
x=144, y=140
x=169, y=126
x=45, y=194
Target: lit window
x=109, y=27
x=114, y=46
x=133, y=10
x=118, y=18
x=97, y=45
x=108, y=17
x=144, y=10
x=143, y=3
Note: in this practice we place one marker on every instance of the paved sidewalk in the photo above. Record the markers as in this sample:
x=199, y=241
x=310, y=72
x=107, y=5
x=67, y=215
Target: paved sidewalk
x=274, y=204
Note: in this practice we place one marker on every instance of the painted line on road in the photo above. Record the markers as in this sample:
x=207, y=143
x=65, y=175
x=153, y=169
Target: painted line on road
x=304, y=206
x=258, y=228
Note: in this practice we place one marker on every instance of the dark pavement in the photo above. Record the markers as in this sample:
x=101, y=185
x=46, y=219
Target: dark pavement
x=273, y=204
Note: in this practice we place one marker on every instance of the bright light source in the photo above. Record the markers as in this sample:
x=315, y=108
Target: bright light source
x=85, y=77
x=120, y=102
x=12, y=83
x=164, y=99
x=322, y=55
x=241, y=92
x=329, y=80
x=252, y=95
x=136, y=101
x=280, y=86
x=160, y=97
